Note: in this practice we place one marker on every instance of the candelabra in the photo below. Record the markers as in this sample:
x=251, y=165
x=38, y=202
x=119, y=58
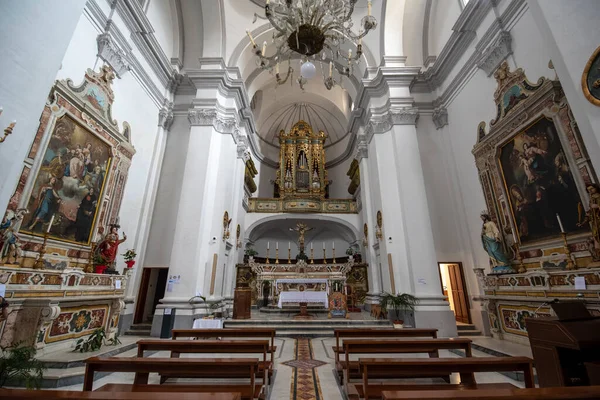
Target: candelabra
x=267, y=260
x=312, y=256
x=39, y=263
x=289, y=256
x=277, y=255
x=324, y=257
x=89, y=268
x=8, y=130
x=570, y=263
x=522, y=268
x=333, y=251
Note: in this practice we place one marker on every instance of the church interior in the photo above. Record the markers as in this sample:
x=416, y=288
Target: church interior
x=300, y=199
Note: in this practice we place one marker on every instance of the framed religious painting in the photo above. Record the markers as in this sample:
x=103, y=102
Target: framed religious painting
x=74, y=176
x=534, y=170
x=590, y=80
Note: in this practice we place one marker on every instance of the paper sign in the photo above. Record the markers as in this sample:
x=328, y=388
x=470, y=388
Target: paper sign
x=579, y=283
x=170, y=285
x=167, y=311
x=118, y=284
x=422, y=281
x=2, y=290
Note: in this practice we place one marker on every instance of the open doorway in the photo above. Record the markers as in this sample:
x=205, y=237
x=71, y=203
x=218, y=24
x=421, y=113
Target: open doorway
x=152, y=289
x=455, y=289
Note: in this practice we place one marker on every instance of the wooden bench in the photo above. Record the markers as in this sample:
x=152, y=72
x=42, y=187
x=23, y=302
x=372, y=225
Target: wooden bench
x=378, y=333
x=418, y=367
x=348, y=369
x=245, y=368
x=228, y=333
x=557, y=393
x=76, y=395
x=176, y=347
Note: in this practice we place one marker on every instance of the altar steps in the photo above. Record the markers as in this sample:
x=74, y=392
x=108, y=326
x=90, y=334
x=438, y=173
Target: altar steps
x=318, y=327
x=291, y=311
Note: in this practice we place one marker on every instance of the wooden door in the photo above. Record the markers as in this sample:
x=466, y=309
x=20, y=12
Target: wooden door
x=459, y=293
x=138, y=318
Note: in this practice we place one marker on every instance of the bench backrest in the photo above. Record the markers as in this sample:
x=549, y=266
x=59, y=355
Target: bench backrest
x=234, y=367
x=364, y=346
x=204, y=346
x=381, y=333
x=557, y=393
x=75, y=395
x=411, y=367
x=227, y=333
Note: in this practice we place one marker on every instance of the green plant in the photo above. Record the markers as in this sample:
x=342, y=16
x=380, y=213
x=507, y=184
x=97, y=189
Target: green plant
x=398, y=302
x=19, y=366
x=114, y=341
x=302, y=256
x=92, y=343
x=129, y=255
x=250, y=252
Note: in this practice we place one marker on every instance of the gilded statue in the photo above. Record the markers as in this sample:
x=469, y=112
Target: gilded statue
x=592, y=217
x=492, y=244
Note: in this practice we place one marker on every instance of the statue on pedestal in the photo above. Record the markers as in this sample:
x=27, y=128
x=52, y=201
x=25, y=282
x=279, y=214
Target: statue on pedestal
x=109, y=246
x=492, y=244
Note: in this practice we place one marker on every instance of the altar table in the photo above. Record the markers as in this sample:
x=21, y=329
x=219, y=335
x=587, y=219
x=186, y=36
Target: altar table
x=307, y=296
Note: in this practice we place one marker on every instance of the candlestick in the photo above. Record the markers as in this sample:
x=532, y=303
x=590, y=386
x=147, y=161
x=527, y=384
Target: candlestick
x=51, y=222
x=276, y=256
x=289, y=245
x=251, y=39
x=267, y=260
x=264, y=48
x=570, y=263
x=289, y=256
x=369, y=6
x=324, y=256
x=333, y=251
x=8, y=130
x=277, y=68
x=39, y=263
x=312, y=254
x=562, y=229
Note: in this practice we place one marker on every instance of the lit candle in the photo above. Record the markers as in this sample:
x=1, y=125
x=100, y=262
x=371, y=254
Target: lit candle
x=251, y=39
x=330, y=68
x=267, y=245
x=51, y=222
x=562, y=229
x=264, y=49
x=277, y=68
x=369, y=5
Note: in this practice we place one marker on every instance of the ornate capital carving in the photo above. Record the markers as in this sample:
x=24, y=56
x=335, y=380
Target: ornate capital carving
x=493, y=56
x=165, y=116
x=174, y=81
x=242, y=149
x=381, y=124
x=362, y=147
x=440, y=117
x=111, y=54
x=202, y=116
x=405, y=116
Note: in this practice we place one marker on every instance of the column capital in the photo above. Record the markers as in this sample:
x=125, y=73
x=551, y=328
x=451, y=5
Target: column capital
x=497, y=52
x=440, y=117
x=165, y=115
x=362, y=147
x=405, y=115
x=223, y=121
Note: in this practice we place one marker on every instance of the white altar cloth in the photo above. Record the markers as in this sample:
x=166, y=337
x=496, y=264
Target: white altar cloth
x=303, y=297
x=208, y=324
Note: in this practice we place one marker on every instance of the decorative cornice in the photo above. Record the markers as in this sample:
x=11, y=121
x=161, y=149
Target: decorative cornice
x=404, y=116
x=440, y=117
x=202, y=116
x=493, y=56
x=362, y=147
x=111, y=54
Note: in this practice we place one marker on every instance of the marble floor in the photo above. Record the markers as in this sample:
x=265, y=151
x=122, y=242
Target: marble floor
x=321, y=347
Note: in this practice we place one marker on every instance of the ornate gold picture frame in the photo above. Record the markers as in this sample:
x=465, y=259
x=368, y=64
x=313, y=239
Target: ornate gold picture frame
x=590, y=80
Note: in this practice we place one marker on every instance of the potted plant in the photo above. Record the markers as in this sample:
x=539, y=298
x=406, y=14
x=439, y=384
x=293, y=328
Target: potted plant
x=129, y=256
x=100, y=264
x=18, y=366
x=249, y=252
x=398, y=302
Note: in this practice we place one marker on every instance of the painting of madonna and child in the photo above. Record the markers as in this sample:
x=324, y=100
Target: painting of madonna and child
x=69, y=184
x=540, y=183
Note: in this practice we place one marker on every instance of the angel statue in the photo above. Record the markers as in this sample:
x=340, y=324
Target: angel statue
x=492, y=244
x=9, y=241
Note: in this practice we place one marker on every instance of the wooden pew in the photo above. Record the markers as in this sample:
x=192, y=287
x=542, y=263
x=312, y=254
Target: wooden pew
x=76, y=395
x=246, y=368
x=415, y=367
x=350, y=369
x=176, y=347
x=557, y=393
x=375, y=333
x=228, y=333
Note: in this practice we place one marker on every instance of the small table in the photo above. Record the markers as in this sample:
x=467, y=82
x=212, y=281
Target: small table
x=201, y=323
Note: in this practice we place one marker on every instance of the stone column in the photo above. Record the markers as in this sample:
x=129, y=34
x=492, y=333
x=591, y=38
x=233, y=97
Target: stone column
x=39, y=36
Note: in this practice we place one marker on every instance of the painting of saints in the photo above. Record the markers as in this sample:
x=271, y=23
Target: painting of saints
x=540, y=183
x=68, y=184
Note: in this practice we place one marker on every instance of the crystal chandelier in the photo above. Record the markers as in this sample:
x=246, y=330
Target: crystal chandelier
x=312, y=28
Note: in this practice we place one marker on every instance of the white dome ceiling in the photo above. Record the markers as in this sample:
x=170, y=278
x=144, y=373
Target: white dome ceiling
x=318, y=117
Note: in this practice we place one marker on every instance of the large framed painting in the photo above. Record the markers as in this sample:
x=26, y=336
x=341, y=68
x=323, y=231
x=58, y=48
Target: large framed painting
x=534, y=169
x=69, y=183
x=539, y=183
